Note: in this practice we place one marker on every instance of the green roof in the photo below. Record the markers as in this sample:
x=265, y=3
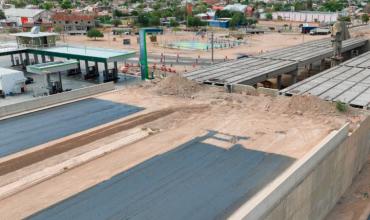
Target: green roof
x=85, y=53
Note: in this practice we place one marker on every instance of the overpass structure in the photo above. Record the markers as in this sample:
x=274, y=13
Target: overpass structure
x=272, y=64
x=348, y=82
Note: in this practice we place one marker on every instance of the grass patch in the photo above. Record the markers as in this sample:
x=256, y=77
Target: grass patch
x=341, y=106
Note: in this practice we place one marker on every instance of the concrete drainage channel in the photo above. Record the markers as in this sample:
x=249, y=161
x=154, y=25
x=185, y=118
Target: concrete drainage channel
x=310, y=188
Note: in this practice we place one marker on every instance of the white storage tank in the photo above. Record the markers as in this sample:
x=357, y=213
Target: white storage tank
x=11, y=81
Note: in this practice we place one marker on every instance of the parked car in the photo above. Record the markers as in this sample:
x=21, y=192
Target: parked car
x=241, y=56
x=29, y=80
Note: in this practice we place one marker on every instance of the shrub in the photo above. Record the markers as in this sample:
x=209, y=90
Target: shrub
x=341, y=106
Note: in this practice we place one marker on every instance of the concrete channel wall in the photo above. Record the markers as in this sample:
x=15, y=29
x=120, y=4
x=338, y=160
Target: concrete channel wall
x=46, y=101
x=313, y=185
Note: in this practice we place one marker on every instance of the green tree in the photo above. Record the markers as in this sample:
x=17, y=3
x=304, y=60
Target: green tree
x=195, y=22
x=250, y=21
x=269, y=16
x=47, y=6
x=223, y=14
x=200, y=8
x=365, y=18
x=157, y=6
x=174, y=23
x=345, y=18
x=116, y=22
x=35, y=2
x=277, y=7
x=2, y=15
x=154, y=20
x=143, y=20
x=299, y=6
x=19, y=3
x=66, y=4
x=332, y=5
x=94, y=33
x=237, y=19
x=105, y=19
x=118, y=13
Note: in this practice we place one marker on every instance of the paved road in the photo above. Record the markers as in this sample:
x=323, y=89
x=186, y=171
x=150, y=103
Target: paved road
x=26, y=131
x=194, y=181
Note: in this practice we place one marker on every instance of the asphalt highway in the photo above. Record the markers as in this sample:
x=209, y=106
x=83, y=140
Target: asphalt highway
x=195, y=181
x=29, y=130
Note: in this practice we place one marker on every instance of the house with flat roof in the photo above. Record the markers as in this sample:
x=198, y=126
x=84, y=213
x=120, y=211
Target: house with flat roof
x=36, y=39
x=74, y=23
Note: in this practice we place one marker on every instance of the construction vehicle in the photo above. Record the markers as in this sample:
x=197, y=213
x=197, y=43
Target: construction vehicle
x=339, y=33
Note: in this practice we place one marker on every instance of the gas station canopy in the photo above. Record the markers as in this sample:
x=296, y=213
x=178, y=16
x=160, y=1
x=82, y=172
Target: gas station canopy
x=85, y=53
x=52, y=67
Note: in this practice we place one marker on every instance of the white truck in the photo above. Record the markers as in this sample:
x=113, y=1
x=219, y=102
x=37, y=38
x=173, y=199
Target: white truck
x=320, y=31
x=11, y=81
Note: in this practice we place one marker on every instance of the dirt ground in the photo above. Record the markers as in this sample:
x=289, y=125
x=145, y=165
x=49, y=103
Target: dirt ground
x=281, y=125
x=254, y=43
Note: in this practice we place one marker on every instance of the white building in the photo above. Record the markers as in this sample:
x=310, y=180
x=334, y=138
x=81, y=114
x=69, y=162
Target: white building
x=236, y=7
x=306, y=16
x=25, y=15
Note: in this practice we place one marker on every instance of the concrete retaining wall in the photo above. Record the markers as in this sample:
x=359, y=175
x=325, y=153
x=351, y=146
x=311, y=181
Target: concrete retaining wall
x=54, y=99
x=312, y=186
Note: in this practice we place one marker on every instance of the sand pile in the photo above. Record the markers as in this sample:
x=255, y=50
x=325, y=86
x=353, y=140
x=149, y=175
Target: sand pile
x=310, y=104
x=300, y=105
x=178, y=86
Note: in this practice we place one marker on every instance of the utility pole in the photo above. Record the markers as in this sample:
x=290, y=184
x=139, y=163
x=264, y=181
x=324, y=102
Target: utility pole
x=212, y=46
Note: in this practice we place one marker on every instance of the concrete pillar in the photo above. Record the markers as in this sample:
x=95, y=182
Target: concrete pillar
x=294, y=77
x=279, y=82
x=43, y=58
x=21, y=59
x=115, y=70
x=79, y=66
x=106, y=66
x=322, y=65
x=87, y=66
x=47, y=80
x=115, y=65
x=36, y=58
x=97, y=67
x=27, y=59
x=106, y=71
x=12, y=59
x=51, y=58
x=60, y=80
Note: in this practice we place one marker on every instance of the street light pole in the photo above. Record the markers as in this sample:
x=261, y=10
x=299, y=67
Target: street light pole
x=212, y=47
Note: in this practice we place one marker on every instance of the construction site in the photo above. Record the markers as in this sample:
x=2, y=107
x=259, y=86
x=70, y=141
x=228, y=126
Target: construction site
x=281, y=134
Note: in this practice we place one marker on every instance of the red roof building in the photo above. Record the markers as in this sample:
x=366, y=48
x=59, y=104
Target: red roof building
x=74, y=23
